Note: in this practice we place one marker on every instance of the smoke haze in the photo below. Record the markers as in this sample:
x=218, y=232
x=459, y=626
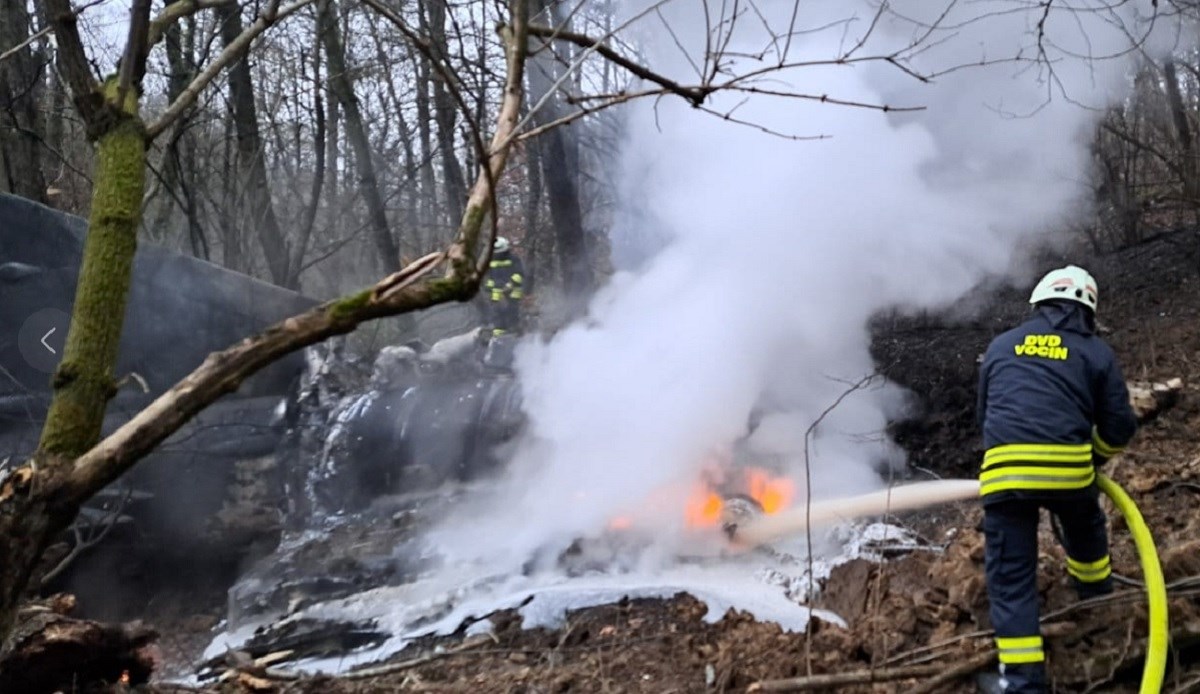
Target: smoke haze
x=778, y=252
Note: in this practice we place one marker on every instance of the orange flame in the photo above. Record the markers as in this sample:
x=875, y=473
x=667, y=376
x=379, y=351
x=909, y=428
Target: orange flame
x=773, y=494
x=705, y=506
x=703, y=509
x=125, y=677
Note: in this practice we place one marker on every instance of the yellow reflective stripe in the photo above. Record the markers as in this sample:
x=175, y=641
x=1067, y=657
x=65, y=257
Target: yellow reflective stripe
x=1029, y=482
x=501, y=263
x=517, y=294
x=1038, y=452
x=1021, y=649
x=1103, y=447
x=1100, y=563
x=1022, y=447
x=1061, y=473
x=1090, y=572
x=489, y=283
x=1006, y=643
x=517, y=279
x=1043, y=458
x=1022, y=657
x=497, y=295
x=1096, y=577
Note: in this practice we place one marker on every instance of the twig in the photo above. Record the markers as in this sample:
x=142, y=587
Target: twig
x=275, y=674
x=964, y=668
x=695, y=95
x=822, y=682
x=1187, y=686
x=82, y=543
x=17, y=48
x=808, y=435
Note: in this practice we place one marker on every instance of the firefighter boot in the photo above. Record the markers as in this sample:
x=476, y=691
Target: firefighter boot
x=1014, y=679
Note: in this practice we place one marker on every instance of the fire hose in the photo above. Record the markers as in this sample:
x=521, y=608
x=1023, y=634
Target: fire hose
x=1156, y=587
x=907, y=497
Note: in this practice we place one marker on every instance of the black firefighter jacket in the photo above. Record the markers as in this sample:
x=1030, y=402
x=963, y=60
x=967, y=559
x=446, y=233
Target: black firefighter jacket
x=1052, y=404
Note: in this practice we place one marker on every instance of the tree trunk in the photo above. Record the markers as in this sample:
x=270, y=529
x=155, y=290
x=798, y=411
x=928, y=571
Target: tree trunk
x=232, y=256
x=533, y=192
x=1183, y=131
x=36, y=500
x=409, y=183
x=178, y=76
x=84, y=380
x=251, y=162
x=428, y=197
x=562, y=191
x=314, y=199
x=445, y=112
x=343, y=90
x=20, y=87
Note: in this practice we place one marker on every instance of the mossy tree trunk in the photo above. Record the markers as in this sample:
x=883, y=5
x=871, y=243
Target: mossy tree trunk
x=84, y=381
x=38, y=501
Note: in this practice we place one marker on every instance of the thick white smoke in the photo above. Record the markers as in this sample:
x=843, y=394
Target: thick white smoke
x=780, y=251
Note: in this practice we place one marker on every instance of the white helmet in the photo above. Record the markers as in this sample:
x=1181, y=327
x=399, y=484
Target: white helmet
x=500, y=245
x=1070, y=282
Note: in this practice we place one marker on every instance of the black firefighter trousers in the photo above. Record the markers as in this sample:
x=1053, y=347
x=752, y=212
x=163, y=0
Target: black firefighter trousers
x=1010, y=527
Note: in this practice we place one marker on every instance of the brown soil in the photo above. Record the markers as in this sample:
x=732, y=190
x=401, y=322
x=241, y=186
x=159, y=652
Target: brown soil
x=920, y=600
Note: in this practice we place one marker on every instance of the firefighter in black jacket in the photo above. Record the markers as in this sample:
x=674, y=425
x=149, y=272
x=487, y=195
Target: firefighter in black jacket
x=503, y=288
x=1053, y=405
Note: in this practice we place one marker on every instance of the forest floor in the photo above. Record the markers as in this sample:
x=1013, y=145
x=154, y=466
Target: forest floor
x=923, y=608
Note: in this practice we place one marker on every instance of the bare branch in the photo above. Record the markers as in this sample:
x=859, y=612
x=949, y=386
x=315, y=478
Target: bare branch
x=17, y=48
x=92, y=538
x=231, y=53
x=176, y=11
x=695, y=95
x=729, y=117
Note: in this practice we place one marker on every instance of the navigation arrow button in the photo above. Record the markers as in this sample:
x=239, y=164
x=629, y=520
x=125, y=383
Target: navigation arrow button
x=43, y=340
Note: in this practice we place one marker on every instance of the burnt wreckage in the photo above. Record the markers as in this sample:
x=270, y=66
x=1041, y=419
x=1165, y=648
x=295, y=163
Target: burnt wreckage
x=316, y=433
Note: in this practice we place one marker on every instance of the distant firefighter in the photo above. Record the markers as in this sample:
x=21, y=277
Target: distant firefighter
x=504, y=287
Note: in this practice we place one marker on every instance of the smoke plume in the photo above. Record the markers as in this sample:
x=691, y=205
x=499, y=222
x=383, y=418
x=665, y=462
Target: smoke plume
x=768, y=256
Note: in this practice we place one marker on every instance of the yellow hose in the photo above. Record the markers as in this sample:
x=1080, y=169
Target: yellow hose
x=1156, y=586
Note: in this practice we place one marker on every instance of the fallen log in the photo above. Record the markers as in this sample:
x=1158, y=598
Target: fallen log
x=1151, y=398
x=51, y=651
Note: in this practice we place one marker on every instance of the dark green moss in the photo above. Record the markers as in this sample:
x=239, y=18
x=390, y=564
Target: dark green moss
x=347, y=307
